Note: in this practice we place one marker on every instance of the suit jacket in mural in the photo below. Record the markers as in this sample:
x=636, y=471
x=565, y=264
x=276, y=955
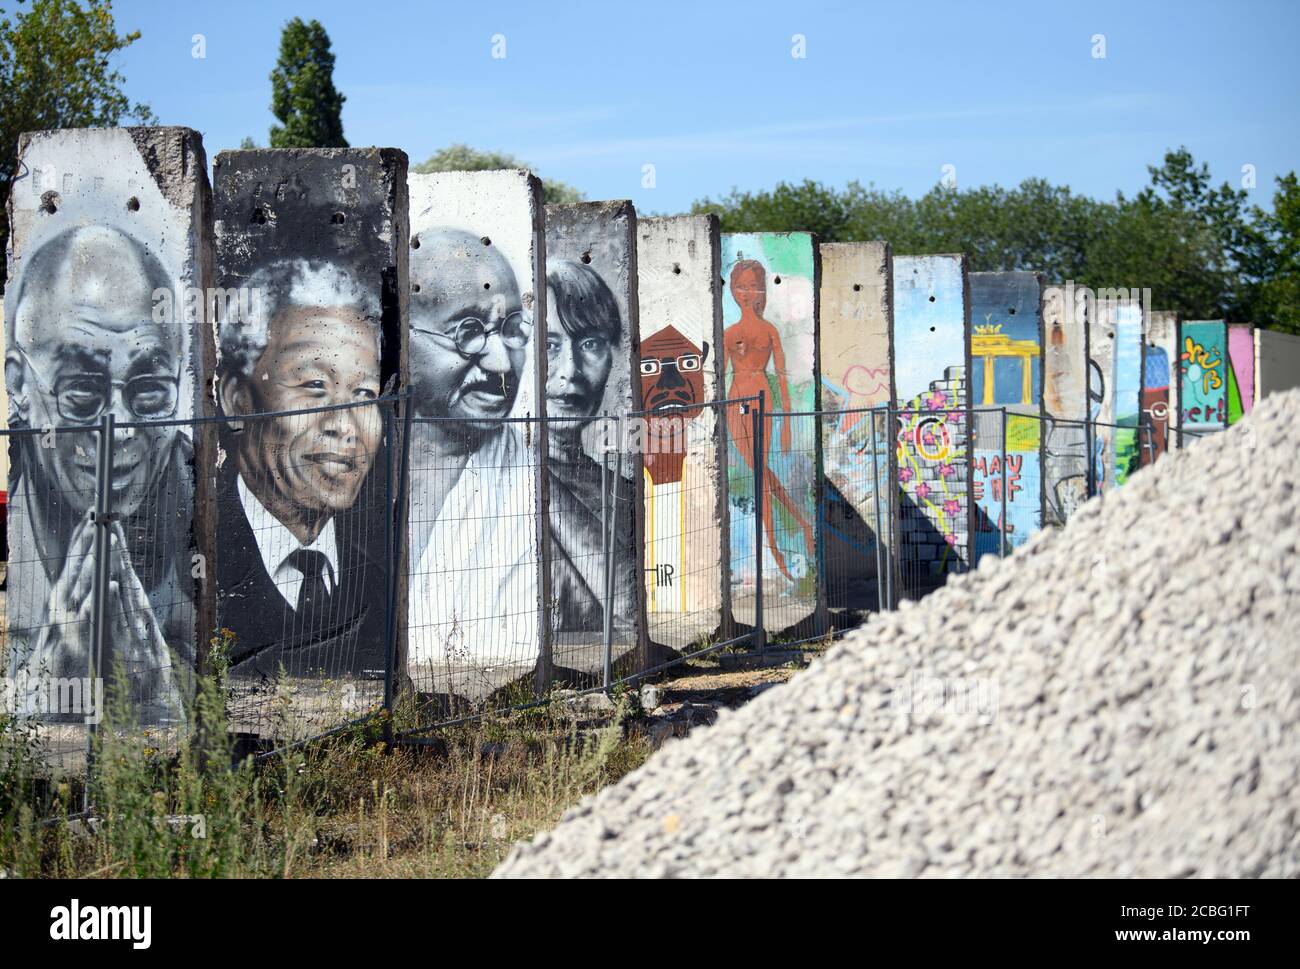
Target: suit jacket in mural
x=350, y=638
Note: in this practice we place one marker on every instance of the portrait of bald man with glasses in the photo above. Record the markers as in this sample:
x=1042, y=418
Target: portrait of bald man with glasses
x=85, y=341
x=472, y=545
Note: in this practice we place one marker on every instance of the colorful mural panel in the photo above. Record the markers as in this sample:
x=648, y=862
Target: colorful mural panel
x=686, y=537
x=1241, y=371
x=854, y=323
x=1203, y=369
x=1006, y=372
x=1065, y=405
x=770, y=346
x=932, y=455
x=1128, y=389
x=109, y=258
x=1158, y=407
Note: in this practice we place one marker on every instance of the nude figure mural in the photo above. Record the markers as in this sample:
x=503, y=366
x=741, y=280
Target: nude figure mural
x=769, y=347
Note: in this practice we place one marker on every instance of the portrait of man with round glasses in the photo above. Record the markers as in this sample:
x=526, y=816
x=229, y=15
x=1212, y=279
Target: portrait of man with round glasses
x=85, y=341
x=472, y=471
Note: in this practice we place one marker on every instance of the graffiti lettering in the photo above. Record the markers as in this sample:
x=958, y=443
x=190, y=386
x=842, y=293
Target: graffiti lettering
x=1201, y=364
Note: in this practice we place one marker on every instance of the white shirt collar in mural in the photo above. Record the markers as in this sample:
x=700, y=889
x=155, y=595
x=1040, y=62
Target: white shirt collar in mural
x=276, y=544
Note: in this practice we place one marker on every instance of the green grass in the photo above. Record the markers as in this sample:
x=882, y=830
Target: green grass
x=346, y=807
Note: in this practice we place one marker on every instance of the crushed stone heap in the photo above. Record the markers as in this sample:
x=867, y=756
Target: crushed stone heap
x=1119, y=698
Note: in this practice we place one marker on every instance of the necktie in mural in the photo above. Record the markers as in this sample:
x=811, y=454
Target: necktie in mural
x=314, y=592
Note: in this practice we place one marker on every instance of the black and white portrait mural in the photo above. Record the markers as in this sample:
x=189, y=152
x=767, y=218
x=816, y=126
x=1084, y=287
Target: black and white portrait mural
x=105, y=244
x=591, y=354
x=309, y=332
x=476, y=328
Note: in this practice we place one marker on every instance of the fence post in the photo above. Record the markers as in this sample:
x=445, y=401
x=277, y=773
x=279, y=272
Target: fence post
x=895, y=505
x=1002, y=525
x=99, y=600
x=875, y=501
x=760, y=461
x=1089, y=435
x=611, y=532
x=394, y=514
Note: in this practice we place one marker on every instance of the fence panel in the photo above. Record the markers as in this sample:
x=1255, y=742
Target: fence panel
x=311, y=642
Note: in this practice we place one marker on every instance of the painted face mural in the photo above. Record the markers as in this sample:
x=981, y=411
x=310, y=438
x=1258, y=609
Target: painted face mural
x=295, y=577
x=586, y=327
x=86, y=343
x=672, y=384
x=468, y=329
x=767, y=348
x=315, y=357
x=678, y=289
x=1153, y=436
x=95, y=330
x=672, y=372
x=477, y=330
x=588, y=362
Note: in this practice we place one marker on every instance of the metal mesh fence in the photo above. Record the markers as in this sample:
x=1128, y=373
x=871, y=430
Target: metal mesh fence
x=772, y=482
x=306, y=566
x=473, y=628
x=362, y=551
x=854, y=510
x=688, y=522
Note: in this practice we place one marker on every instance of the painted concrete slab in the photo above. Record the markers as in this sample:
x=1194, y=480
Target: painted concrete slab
x=854, y=311
x=769, y=316
x=933, y=455
x=480, y=603
x=312, y=245
x=110, y=262
x=686, y=511
x=593, y=369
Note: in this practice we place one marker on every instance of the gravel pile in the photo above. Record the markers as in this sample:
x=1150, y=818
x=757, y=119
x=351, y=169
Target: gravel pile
x=1119, y=698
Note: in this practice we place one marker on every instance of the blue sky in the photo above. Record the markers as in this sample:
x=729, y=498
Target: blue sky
x=709, y=94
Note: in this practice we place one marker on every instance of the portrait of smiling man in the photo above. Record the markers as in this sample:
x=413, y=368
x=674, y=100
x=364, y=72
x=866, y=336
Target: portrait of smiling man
x=298, y=585
x=472, y=549
x=85, y=342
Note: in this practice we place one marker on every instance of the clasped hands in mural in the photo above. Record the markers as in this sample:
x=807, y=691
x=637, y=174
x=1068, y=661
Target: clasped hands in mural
x=134, y=637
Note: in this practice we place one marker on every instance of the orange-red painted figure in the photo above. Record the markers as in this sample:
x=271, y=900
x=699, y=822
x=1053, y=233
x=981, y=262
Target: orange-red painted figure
x=748, y=345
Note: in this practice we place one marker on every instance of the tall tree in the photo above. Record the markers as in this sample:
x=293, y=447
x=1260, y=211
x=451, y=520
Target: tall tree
x=1278, y=248
x=303, y=96
x=463, y=158
x=54, y=73
x=1199, y=249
